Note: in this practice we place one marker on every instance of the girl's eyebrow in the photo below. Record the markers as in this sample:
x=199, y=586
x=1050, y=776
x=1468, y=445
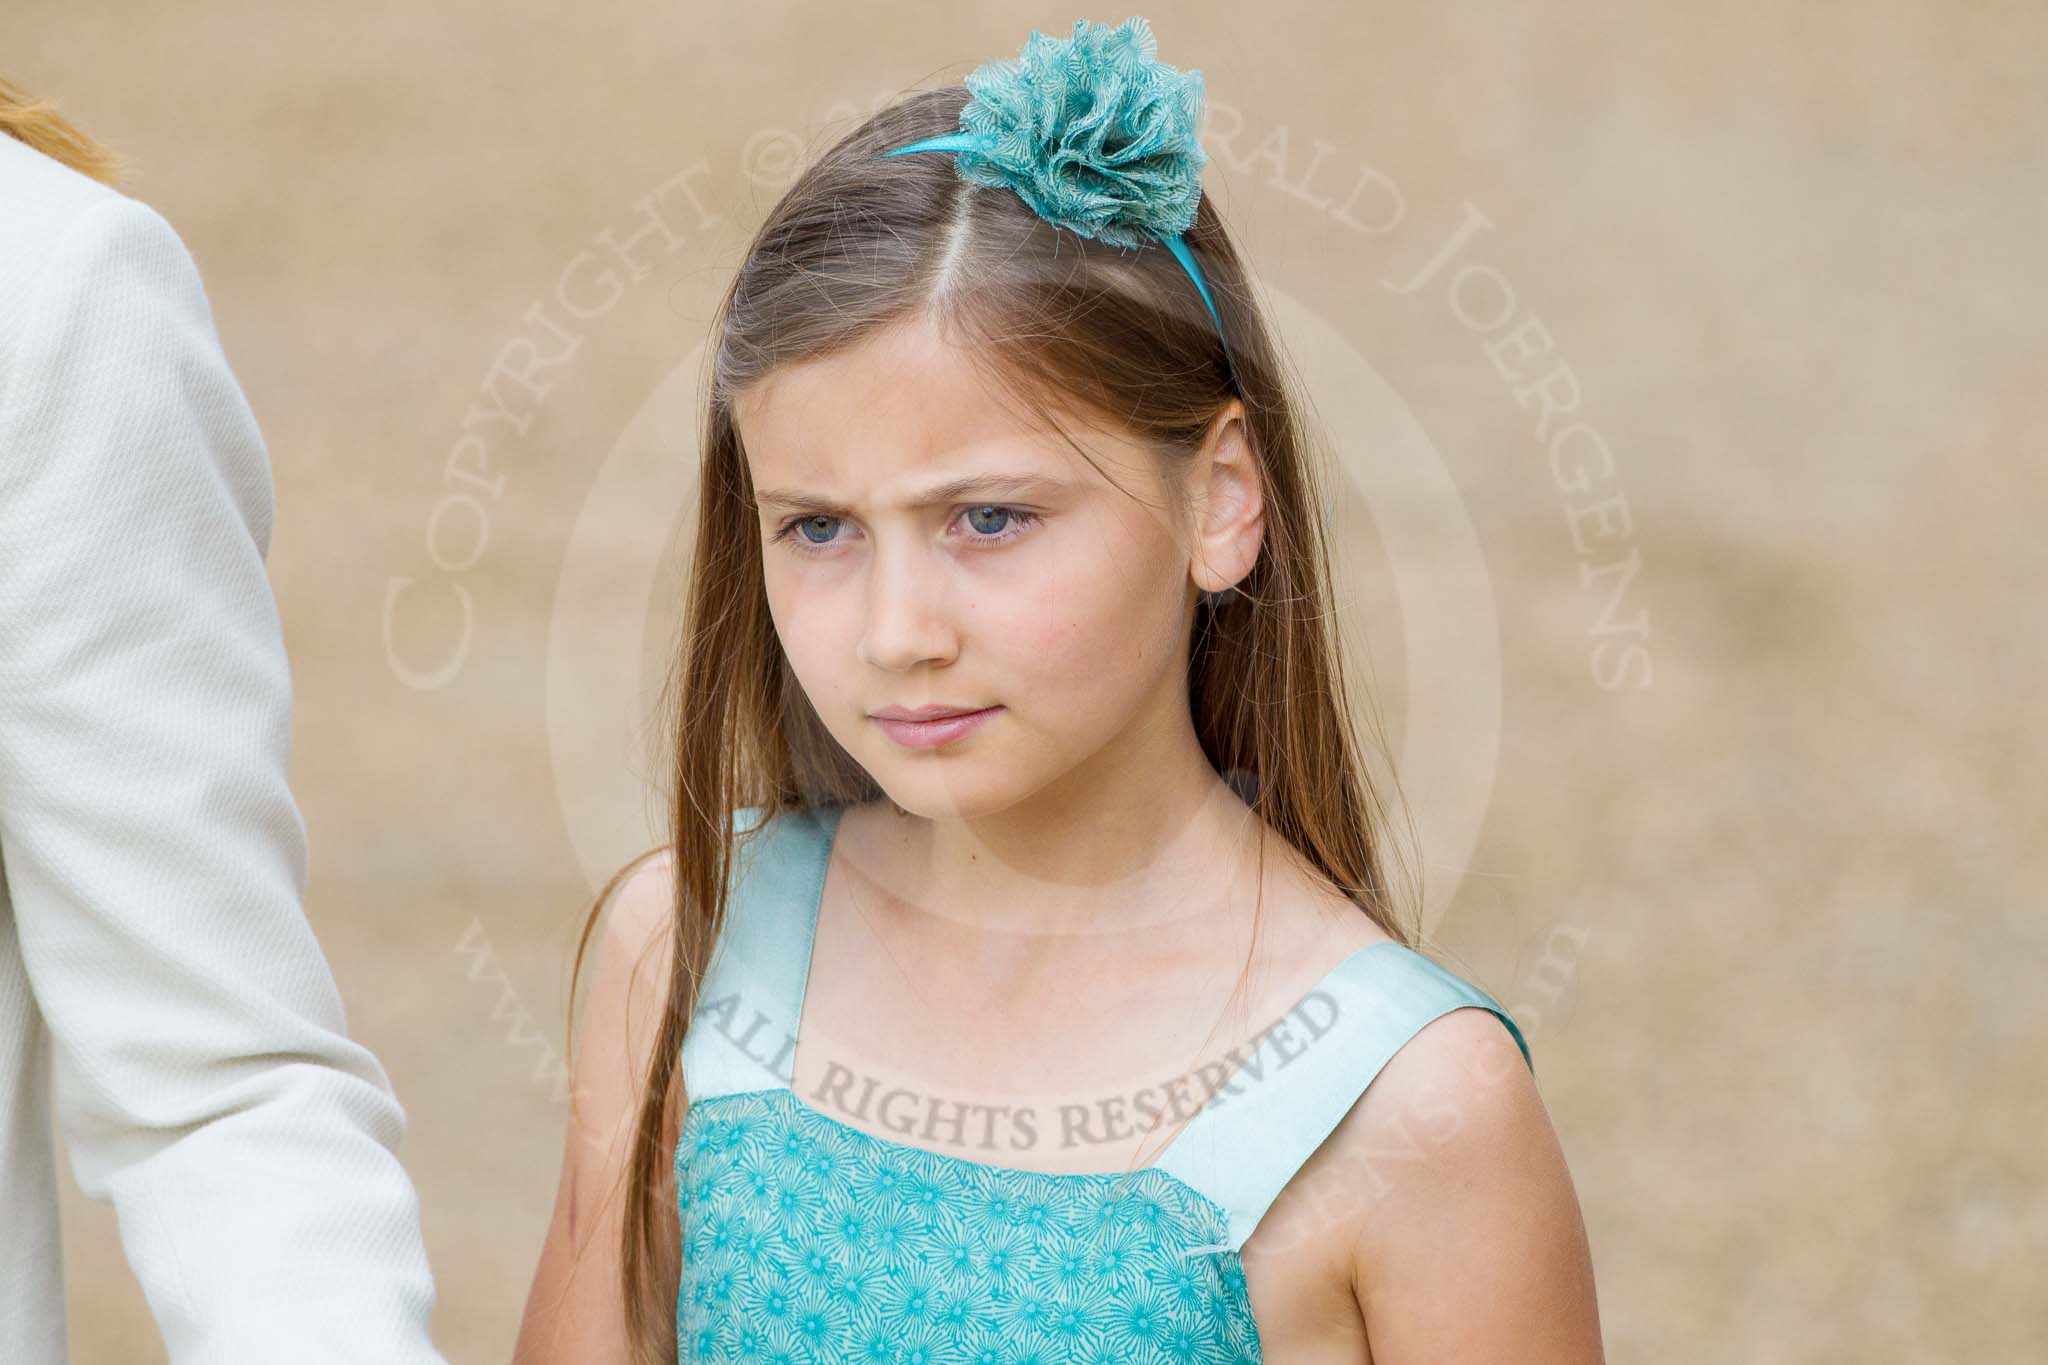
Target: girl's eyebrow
x=953, y=490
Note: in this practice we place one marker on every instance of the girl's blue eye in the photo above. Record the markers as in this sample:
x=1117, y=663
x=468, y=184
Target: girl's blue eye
x=1014, y=519
x=1006, y=513
x=808, y=522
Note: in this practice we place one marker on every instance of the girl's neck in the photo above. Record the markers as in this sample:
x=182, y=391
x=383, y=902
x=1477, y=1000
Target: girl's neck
x=1119, y=857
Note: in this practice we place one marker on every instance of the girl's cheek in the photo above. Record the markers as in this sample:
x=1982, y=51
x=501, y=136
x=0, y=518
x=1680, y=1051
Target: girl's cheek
x=1056, y=626
x=1049, y=651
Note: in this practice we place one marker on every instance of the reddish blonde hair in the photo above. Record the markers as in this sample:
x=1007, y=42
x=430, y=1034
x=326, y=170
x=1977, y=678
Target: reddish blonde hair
x=37, y=123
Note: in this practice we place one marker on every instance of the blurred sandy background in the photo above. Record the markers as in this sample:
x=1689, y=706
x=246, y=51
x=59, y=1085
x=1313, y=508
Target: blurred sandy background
x=1773, y=921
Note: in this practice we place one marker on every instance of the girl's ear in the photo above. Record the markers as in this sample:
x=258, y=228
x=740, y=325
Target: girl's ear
x=1227, y=503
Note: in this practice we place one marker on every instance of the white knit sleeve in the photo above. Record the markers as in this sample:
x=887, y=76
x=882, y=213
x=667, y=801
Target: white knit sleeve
x=153, y=852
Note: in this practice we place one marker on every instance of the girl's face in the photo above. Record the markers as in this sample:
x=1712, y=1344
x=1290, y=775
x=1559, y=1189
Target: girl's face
x=925, y=545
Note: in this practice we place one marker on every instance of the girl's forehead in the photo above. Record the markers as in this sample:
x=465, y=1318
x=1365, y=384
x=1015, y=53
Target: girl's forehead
x=890, y=434
x=904, y=388
x=896, y=416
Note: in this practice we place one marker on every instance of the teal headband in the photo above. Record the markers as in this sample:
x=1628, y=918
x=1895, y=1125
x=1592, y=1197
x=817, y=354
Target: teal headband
x=1095, y=134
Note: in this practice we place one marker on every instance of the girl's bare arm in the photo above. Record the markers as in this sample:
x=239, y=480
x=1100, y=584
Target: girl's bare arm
x=574, y=1311
x=1472, y=1247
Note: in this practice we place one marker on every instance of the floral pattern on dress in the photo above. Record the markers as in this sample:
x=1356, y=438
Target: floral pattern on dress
x=807, y=1241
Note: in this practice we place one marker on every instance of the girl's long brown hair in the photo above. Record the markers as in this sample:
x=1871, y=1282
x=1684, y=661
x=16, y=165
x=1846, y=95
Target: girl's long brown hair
x=38, y=123
x=860, y=243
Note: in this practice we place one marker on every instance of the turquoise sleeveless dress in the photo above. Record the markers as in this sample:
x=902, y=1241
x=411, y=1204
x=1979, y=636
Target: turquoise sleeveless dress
x=808, y=1240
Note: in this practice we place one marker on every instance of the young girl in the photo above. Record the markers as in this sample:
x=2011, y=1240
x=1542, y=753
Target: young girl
x=1023, y=980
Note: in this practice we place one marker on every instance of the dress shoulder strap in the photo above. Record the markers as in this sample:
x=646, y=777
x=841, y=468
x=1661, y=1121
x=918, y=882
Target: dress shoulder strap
x=743, y=1032
x=1307, y=1072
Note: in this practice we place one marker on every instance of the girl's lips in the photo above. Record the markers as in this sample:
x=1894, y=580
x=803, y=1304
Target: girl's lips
x=930, y=734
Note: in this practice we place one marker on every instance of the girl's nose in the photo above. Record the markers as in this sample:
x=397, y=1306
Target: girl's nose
x=909, y=607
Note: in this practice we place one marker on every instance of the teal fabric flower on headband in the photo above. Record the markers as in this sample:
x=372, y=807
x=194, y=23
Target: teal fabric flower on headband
x=1095, y=133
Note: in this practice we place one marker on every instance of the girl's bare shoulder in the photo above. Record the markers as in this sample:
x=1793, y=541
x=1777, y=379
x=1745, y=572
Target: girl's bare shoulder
x=1462, y=1181
x=642, y=910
